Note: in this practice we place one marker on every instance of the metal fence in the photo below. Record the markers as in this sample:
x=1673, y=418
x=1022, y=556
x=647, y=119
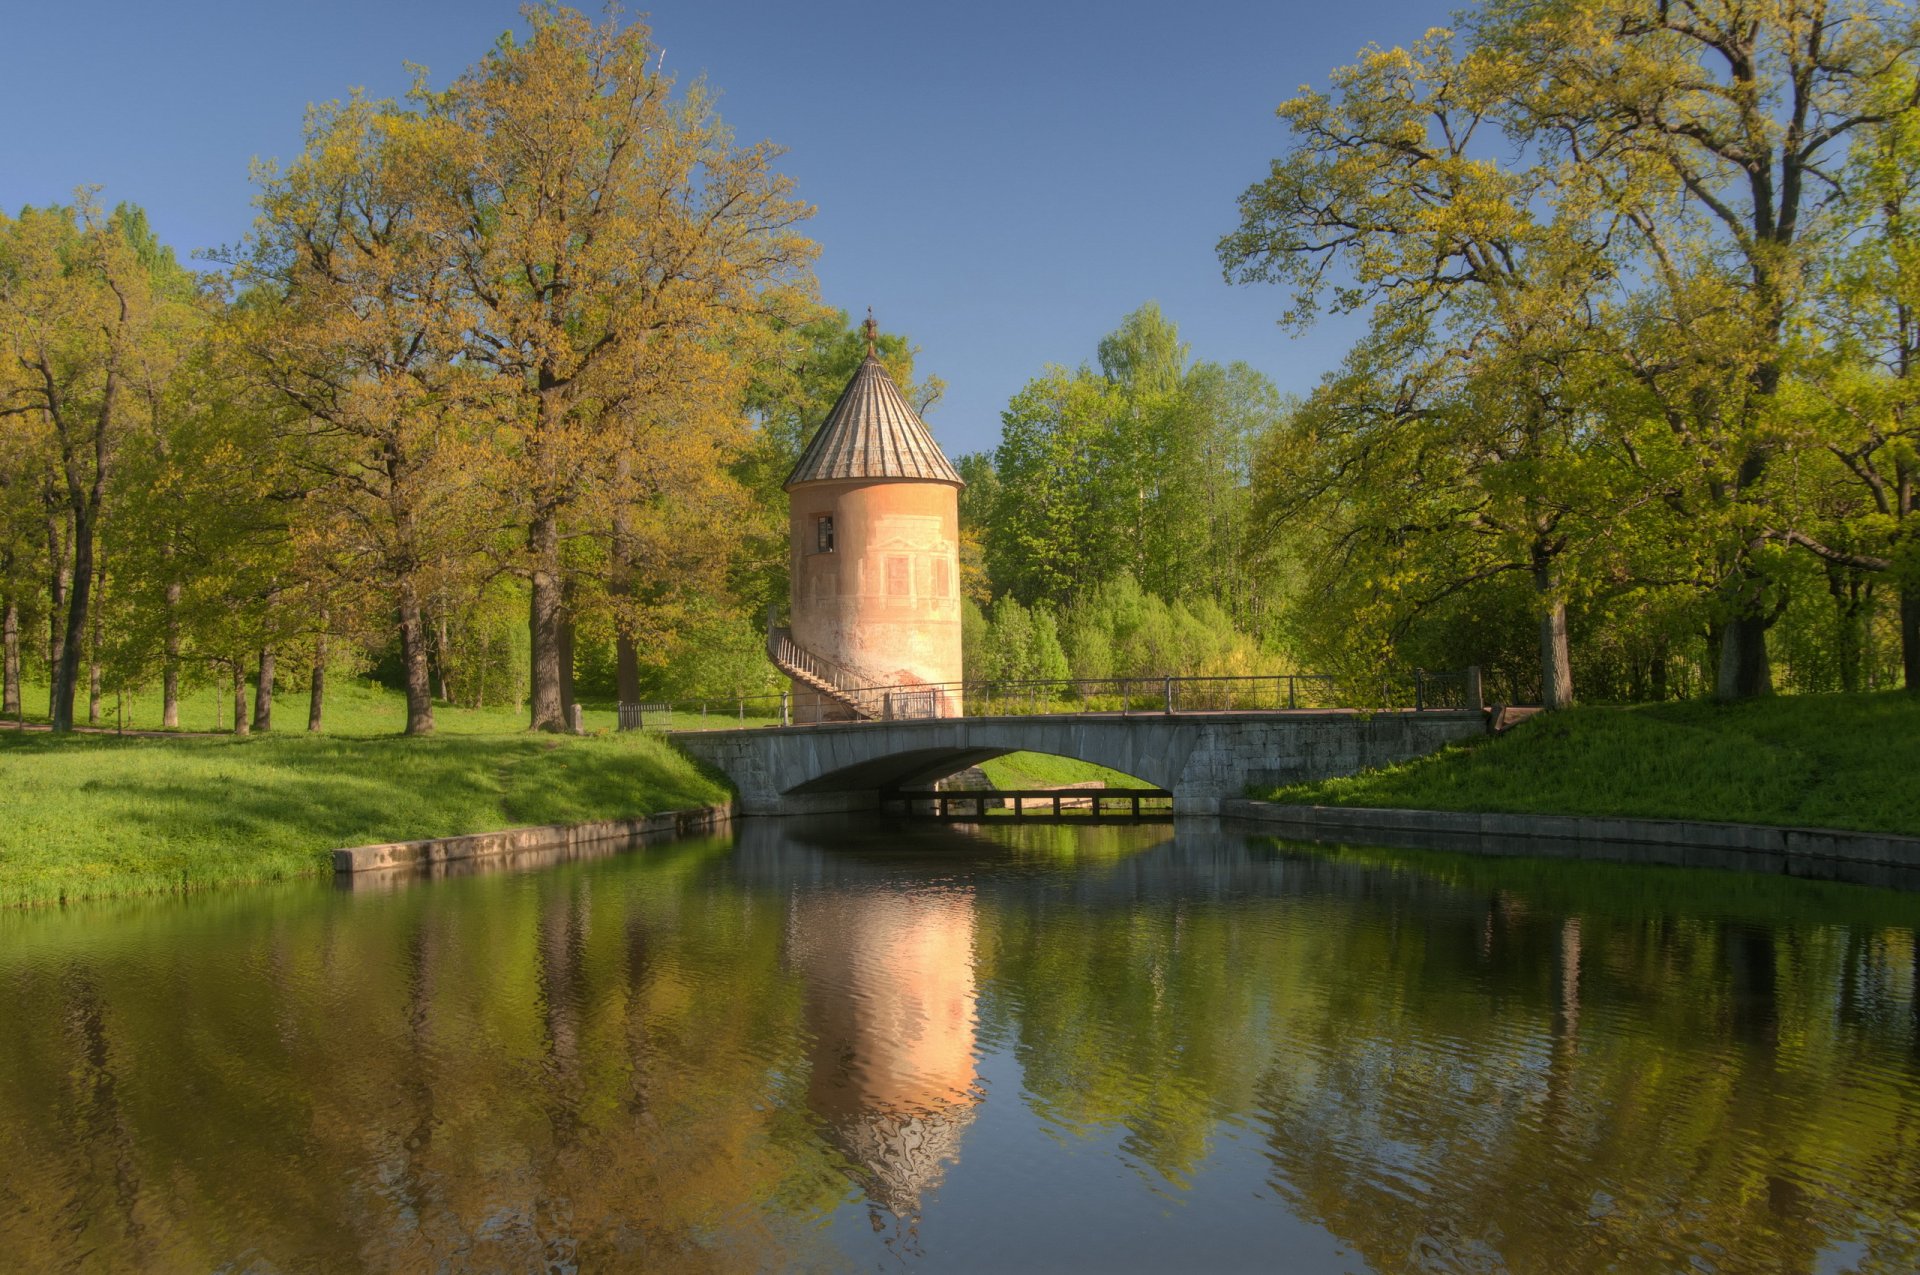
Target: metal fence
x=1420, y=690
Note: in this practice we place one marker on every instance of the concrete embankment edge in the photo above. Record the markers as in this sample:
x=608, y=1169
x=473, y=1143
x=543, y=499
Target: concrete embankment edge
x=557, y=836
x=1821, y=853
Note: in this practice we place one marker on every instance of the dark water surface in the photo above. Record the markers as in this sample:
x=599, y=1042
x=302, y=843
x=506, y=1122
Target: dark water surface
x=859, y=1045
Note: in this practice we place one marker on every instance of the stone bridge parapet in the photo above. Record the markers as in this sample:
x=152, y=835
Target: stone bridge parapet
x=1201, y=758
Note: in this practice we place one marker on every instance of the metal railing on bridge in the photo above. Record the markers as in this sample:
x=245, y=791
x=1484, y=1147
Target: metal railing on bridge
x=1420, y=690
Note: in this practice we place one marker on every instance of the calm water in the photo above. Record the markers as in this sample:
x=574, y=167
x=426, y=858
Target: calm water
x=851, y=1045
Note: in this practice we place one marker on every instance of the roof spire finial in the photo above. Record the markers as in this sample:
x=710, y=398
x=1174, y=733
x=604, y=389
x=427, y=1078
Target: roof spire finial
x=872, y=330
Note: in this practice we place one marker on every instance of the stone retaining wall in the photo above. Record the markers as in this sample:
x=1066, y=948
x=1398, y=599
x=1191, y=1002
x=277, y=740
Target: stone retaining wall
x=1822, y=853
x=546, y=837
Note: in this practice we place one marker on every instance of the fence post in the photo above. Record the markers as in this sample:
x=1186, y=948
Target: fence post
x=1475, y=696
x=1289, y=691
x=1167, y=689
x=743, y=709
x=1419, y=690
x=786, y=716
x=886, y=713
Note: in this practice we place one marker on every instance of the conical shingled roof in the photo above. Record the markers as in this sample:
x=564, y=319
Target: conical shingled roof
x=872, y=432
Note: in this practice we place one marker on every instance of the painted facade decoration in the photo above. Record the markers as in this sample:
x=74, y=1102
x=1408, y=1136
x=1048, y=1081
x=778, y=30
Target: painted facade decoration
x=873, y=562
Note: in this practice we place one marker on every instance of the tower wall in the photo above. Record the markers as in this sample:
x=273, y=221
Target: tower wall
x=884, y=603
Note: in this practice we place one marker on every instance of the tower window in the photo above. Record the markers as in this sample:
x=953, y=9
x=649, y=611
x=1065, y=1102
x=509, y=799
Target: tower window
x=823, y=534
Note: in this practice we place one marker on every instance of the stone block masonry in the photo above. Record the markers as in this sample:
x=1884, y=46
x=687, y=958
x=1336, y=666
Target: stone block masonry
x=545, y=837
x=1203, y=759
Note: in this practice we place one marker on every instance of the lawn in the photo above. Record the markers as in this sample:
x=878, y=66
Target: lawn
x=1831, y=761
x=1044, y=770
x=93, y=815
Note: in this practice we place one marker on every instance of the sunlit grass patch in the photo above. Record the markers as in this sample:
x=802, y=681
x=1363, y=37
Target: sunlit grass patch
x=94, y=815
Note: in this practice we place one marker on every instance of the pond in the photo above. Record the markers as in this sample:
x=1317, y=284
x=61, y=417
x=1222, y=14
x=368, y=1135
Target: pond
x=842, y=1044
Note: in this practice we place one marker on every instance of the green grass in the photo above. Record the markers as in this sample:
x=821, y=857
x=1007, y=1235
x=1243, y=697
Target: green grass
x=1832, y=761
x=1044, y=770
x=91, y=816
x=354, y=708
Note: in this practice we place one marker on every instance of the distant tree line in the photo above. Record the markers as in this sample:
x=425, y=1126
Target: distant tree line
x=497, y=396
x=1635, y=407
x=1107, y=534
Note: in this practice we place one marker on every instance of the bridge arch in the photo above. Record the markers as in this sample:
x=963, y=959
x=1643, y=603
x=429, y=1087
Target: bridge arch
x=1201, y=758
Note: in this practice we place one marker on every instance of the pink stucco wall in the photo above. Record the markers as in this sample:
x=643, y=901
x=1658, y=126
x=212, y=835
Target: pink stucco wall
x=885, y=603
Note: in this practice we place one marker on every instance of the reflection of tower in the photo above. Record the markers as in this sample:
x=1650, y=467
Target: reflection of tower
x=873, y=559
x=890, y=1005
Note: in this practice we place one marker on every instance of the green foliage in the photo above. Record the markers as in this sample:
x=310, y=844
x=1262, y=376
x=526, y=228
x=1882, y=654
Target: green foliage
x=1138, y=469
x=1816, y=761
x=717, y=658
x=975, y=647
x=1628, y=334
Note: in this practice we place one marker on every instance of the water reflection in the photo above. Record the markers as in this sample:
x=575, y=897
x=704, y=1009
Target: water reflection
x=844, y=1044
x=890, y=1008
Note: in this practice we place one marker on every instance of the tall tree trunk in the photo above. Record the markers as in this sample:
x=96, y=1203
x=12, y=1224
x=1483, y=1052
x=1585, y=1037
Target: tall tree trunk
x=627, y=669
x=480, y=672
x=60, y=575
x=543, y=625
x=317, y=683
x=1556, y=668
x=263, y=692
x=10, y=697
x=1910, y=636
x=626, y=653
x=440, y=656
x=170, y=665
x=93, y=643
x=1744, y=670
x=566, y=670
x=413, y=659
x=240, y=726
x=66, y=670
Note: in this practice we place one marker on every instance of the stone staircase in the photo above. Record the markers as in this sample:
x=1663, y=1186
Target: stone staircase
x=836, y=683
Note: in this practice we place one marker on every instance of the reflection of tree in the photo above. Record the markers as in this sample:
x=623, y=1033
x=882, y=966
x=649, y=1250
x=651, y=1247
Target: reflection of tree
x=1563, y=1090
x=632, y=1062
x=487, y=1073
x=1455, y=1077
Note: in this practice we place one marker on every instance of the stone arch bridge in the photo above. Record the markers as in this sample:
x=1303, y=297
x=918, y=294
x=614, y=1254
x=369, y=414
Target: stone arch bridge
x=1201, y=758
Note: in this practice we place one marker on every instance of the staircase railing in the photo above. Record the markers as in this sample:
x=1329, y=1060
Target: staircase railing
x=843, y=684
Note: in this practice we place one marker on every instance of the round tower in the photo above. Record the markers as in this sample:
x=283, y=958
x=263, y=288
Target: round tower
x=874, y=562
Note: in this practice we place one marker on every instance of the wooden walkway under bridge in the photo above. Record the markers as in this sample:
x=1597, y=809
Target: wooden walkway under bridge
x=1034, y=803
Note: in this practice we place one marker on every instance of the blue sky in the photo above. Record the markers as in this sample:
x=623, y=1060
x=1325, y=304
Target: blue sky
x=1001, y=181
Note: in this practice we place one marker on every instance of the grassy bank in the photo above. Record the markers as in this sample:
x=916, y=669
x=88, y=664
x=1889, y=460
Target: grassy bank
x=1045, y=770
x=1833, y=761
x=90, y=816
